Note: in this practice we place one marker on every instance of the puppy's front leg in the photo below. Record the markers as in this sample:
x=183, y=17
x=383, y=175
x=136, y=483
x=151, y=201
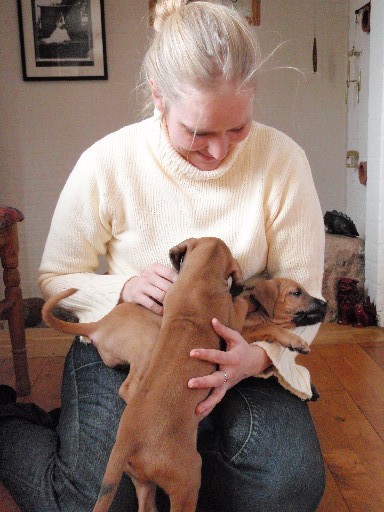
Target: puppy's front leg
x=240, y=310
x=269, y=332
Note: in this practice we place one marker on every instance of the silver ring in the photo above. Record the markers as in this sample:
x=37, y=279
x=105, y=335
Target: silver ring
x=225, y=376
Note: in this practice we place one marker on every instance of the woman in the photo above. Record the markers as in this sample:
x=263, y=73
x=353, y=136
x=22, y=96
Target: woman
x=200, y=166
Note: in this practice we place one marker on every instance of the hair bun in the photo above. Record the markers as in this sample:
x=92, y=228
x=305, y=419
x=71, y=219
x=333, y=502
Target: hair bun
x=164, y=9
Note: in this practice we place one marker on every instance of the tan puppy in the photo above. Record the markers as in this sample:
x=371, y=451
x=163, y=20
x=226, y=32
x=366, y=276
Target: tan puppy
x=163, y=452
x=276, y=305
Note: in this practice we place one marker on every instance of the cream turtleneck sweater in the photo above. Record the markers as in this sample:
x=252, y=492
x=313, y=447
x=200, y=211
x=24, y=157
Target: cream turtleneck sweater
x=131, y=197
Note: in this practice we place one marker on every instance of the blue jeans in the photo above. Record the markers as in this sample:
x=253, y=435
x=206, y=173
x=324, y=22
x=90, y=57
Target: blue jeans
x=259, y=448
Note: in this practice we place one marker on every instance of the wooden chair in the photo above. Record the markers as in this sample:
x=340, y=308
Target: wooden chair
x=11, y=307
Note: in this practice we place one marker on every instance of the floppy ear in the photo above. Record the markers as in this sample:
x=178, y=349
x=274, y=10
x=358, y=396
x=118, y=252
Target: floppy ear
x=237, y=285
x=267, y=293
x=284, y=286
x=178, y=252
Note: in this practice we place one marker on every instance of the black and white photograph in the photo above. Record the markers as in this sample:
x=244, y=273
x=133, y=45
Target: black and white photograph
x=62, y=39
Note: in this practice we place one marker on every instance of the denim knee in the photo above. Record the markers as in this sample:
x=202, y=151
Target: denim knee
x=261, y=452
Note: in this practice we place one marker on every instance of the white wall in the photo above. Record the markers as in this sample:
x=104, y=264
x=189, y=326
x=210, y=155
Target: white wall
x=46, y=125
x=309, y=106
x=357, y=118
x=374, y=245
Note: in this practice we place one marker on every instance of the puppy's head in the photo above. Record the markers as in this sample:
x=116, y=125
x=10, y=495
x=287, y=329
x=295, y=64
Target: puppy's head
x=214, y=246
x=287, y=303
x=297, y=306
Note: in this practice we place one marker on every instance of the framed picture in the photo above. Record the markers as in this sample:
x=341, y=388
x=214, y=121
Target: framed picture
x=250, y=9
x=62, y=39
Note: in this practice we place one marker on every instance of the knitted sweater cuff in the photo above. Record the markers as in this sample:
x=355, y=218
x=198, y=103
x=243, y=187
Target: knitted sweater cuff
x=291, y=376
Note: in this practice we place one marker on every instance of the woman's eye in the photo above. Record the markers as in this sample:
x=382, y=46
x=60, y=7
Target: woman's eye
x=193, y=133
x=237, y=130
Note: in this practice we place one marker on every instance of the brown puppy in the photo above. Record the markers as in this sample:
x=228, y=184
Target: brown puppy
x=276, y=305
x=163, y=452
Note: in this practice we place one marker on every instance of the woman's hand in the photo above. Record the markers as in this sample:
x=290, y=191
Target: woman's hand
x=150, y=288
x=240, y=361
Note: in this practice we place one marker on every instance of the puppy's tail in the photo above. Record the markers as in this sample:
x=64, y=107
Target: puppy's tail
x=60, y=325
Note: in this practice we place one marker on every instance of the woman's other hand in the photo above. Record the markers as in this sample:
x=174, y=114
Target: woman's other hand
x=150, y=287
x=240, y=361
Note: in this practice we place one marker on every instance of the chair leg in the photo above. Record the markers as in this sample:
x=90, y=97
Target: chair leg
x=15, y=315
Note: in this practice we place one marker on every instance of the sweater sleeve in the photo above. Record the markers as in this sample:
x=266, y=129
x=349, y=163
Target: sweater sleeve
x=80, y=231
x=295, y=233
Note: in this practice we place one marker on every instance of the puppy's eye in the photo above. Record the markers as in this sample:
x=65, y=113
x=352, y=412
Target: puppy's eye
x=296, y=293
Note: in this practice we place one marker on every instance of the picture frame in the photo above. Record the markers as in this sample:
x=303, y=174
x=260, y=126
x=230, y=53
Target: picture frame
x=250, y=8
x=62, y=39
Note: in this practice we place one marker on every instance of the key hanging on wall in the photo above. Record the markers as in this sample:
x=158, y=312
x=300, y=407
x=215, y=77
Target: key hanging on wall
x=314, y=48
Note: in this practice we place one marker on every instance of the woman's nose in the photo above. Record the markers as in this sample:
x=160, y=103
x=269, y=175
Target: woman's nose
x=218, y=146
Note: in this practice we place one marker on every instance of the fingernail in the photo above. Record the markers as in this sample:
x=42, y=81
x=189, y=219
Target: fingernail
x=194, y=353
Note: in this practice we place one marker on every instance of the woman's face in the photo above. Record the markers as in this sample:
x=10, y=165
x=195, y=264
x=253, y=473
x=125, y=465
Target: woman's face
x=204, y=126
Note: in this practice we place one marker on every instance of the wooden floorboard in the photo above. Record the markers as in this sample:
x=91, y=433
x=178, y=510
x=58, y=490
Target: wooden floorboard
x=346, y=365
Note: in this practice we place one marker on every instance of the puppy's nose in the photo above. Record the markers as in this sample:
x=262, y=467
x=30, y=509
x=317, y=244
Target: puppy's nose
x=321, y=304
x=315, y=314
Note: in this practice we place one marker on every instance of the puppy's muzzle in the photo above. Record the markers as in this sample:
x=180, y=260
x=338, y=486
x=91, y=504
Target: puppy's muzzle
x=314, y=315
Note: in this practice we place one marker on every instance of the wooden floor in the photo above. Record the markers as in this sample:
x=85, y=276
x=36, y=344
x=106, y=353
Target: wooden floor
x=347, y=366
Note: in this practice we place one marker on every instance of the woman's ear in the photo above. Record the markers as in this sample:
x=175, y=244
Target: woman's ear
x=157, y=97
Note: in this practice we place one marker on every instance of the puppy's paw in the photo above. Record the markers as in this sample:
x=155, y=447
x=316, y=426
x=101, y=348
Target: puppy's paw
x=300, y=350
x=297, y=344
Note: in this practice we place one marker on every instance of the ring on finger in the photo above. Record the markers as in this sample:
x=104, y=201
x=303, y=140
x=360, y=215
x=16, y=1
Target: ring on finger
x=225, y=376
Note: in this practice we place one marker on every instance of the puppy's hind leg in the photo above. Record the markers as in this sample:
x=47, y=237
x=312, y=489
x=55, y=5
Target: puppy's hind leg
x=184, y=500
x=183, y=489
x=111, y=480
x=146, y=495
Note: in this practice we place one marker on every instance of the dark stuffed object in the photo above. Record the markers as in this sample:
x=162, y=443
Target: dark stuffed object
x=338, y=223
x=32, y=313
x=64, y=315
x=7, y=395
x=9, y=408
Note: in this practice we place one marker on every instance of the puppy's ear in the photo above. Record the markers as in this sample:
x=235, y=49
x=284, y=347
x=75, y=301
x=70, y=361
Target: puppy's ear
x=237, y=285
x=178, y=253
x=266, y=292
x=285, y=286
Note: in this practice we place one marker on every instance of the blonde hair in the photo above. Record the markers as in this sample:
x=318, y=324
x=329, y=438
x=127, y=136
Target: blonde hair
x=199, y=44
